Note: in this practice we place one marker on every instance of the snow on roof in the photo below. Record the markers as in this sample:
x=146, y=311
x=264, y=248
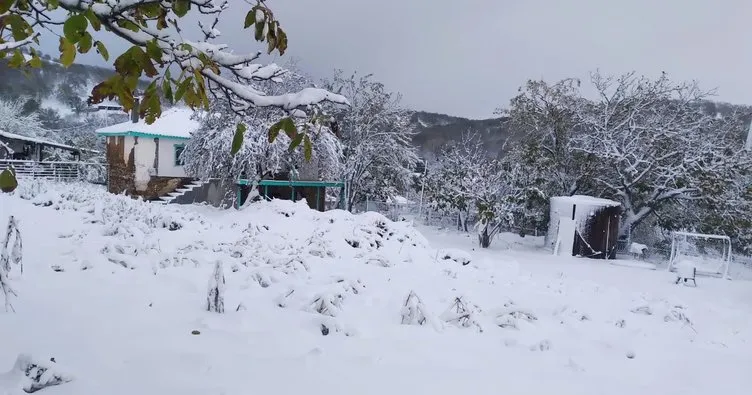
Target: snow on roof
x=35, y=140
x=175, y=122
x=587, y=200
x=108, y=103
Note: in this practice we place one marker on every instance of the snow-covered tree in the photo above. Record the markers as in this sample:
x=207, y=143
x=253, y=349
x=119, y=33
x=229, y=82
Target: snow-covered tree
x=465, y=179
x=379, y=158
x=545, y=115
x=652, y=142
x=215, y=299
x=14, y=120
x=208, y=153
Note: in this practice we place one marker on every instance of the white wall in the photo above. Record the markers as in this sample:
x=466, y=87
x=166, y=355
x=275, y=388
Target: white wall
x=143, y=158
x=167, y=166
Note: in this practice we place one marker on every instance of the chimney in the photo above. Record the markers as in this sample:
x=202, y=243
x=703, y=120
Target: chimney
x=134, y=111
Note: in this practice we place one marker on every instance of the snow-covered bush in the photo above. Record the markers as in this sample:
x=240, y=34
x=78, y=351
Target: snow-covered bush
x=11, y=257
x=31, y=375
x=413, y=311
x=462, y=314
x=215, y=300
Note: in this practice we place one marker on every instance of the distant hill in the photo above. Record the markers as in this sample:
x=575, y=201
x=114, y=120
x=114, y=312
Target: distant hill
x=435, y=130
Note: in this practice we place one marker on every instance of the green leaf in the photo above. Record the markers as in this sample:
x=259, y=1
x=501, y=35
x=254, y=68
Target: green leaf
x=250, y=17
x=167, y=88
x=182, y=87
x=281, y=41
x=152, y=48
x=93, y=19
x=84, y=45
x=74, y=27
x=35, y=62
x=150, y=108
x=307, y=148
x=260, y=31
x=103, y=51
x=274, y=132
x=67, y=52
x=181, y=7
x=237, y=140
x=8, y=182
x=5, y=5
x=51, y=4
x=127, y=24
x=17, y=60
x=296, y=142
x=20, y=29
x=286, y=124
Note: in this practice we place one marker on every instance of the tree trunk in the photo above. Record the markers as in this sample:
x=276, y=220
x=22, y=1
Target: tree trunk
x=632, y=219
x=462, y=221
x=484, y=237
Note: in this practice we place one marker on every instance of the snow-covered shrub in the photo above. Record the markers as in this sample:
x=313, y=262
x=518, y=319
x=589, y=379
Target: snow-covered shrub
x=11, y=257
x=455, y=255
x=510, y=318
x=414, y=312
x=215, y=300
x=462, y=314
x=31, y=375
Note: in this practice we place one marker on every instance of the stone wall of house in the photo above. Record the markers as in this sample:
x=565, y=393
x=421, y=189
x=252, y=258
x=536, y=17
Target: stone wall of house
x=122, y=170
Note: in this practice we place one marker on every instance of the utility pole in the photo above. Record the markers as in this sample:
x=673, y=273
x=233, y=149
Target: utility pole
x=422, y=188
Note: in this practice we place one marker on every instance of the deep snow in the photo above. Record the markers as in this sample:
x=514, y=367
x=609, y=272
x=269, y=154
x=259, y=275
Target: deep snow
x=113, y=288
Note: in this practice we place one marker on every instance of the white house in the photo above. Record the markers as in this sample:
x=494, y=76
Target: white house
x=145, y=159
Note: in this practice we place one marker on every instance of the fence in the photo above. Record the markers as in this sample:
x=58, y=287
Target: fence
x=411, y=210
x=60, y=171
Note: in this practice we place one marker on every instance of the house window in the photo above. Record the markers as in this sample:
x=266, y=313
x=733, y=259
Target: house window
x=178, y=152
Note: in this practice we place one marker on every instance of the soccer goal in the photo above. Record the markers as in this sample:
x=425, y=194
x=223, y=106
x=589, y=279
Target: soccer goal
x=709, y=254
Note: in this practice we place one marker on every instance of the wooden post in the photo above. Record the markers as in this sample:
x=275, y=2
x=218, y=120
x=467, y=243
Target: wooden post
x=318, y=205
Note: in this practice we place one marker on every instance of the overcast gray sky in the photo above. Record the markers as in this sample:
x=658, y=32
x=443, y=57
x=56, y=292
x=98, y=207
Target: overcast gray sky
x=468, y=57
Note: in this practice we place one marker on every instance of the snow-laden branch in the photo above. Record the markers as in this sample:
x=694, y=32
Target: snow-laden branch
x=155, y=28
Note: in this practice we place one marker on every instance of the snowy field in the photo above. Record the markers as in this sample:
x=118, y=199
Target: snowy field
x=115, y=290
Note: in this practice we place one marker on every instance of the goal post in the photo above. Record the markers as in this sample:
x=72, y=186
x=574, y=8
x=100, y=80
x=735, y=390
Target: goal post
x=710, y=254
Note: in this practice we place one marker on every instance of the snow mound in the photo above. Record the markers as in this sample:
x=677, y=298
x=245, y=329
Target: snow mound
x=281, y=235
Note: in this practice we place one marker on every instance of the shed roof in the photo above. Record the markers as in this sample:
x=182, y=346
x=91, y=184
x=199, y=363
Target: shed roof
x=14, y=136
x=174, y=123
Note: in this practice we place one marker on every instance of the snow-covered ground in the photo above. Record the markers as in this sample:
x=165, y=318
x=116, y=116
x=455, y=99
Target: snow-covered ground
x=114, y=290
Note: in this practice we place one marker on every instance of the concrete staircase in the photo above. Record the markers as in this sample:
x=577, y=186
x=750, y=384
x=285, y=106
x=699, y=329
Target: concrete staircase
x=181, y=191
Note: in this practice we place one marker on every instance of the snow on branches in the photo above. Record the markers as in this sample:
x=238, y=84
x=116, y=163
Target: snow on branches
x=208, y=153
x=379, y=156
x=13, y=119
x=651, y=144
x=652, y=141
x=160, y=42
x=465, y=179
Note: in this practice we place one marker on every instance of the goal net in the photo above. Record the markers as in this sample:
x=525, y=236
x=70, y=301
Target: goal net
x=709, y=254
